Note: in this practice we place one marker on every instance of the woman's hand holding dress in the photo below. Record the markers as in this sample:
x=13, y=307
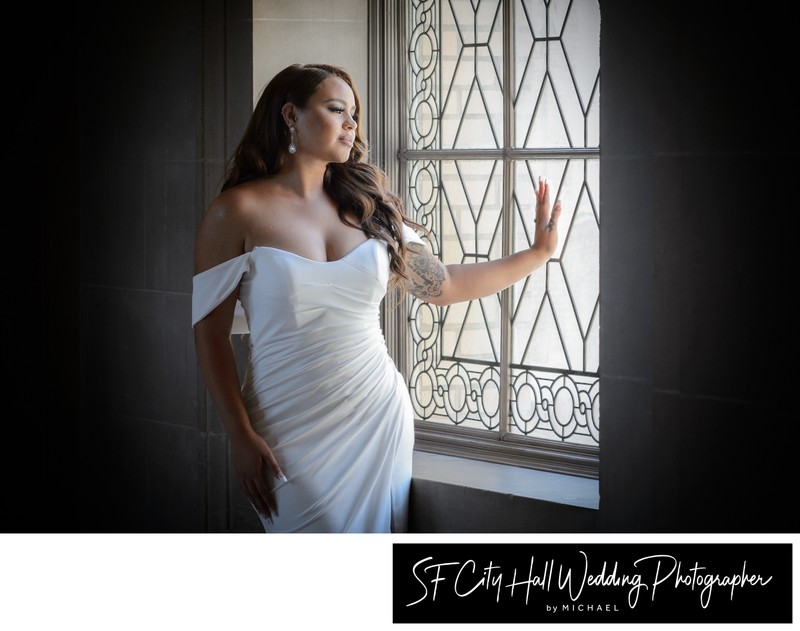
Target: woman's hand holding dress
x=252, y=462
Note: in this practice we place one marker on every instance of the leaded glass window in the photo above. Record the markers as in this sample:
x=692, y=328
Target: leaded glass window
x=499, y=92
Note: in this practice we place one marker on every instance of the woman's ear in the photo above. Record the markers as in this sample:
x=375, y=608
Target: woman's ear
x=289, y=112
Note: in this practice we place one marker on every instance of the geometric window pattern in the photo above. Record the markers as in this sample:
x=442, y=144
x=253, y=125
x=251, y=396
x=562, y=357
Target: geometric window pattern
x=499, y=93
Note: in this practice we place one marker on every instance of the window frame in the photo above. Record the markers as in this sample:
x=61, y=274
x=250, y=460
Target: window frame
x=387, y=121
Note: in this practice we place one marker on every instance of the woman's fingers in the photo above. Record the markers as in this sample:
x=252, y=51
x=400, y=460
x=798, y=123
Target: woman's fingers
x=543, y=216
x=546, y=219
x=262, y=483
x=543, y=192
x=259, y=500
x=258, y=473
x=259, y=488
x=554, y=216
x=542, y=211
x=262, y=498
x=275, y=467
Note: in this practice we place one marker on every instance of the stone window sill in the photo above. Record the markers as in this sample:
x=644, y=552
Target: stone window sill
x=507, y=480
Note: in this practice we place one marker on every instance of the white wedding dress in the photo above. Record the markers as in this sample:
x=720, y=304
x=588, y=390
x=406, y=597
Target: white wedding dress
x=320, y=386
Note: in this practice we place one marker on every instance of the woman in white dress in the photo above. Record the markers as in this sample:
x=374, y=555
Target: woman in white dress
x=298, y=250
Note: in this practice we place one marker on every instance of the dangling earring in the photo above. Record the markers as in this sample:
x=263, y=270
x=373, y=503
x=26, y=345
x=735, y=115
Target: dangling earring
x=292, y=140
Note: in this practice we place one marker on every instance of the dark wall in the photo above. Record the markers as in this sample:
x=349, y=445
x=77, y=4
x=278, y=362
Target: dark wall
x=697, y=205
x=165, y=91
x=697, y=337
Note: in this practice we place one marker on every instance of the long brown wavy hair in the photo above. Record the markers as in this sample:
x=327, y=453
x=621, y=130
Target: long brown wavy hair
x=358, y=187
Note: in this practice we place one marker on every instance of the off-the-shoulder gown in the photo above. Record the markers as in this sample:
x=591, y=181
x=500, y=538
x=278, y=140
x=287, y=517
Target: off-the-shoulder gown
x=320, y=386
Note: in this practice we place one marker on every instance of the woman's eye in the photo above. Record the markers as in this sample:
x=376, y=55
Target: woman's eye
x=337, y=110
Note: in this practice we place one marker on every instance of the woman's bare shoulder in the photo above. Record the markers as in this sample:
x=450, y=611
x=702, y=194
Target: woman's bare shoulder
x=241, y=201
x=242, y=205
x=228, y=222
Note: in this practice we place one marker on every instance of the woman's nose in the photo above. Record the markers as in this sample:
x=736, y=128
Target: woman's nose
x=350, y=122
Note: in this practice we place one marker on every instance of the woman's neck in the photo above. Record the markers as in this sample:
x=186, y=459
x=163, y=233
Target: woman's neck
x=304, y=179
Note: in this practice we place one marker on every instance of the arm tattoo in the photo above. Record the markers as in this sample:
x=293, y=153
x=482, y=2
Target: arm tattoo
x=427, y=275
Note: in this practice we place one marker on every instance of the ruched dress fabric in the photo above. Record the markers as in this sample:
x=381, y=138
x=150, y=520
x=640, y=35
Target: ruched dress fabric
x=320, y=386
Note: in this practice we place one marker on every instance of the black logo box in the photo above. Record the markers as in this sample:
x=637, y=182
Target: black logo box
x=602, y=583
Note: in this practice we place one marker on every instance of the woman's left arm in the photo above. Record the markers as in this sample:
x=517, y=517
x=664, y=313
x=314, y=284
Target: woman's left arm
x=430, y=280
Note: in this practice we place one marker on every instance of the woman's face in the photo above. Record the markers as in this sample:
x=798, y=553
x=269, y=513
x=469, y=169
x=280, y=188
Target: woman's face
x=326, y=127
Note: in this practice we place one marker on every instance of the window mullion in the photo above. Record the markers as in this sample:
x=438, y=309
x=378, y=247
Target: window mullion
x=398, y=9
x=386, y=122
x=508, y=214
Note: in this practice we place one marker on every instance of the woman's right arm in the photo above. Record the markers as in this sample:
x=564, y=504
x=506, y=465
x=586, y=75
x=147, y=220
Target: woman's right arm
x=220, y=239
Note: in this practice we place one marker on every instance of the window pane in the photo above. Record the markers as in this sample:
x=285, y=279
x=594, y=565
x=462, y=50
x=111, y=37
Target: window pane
x=458, y=97
x=562, y=407
x=555, y=310
x=456, y=349
x=557, y=71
